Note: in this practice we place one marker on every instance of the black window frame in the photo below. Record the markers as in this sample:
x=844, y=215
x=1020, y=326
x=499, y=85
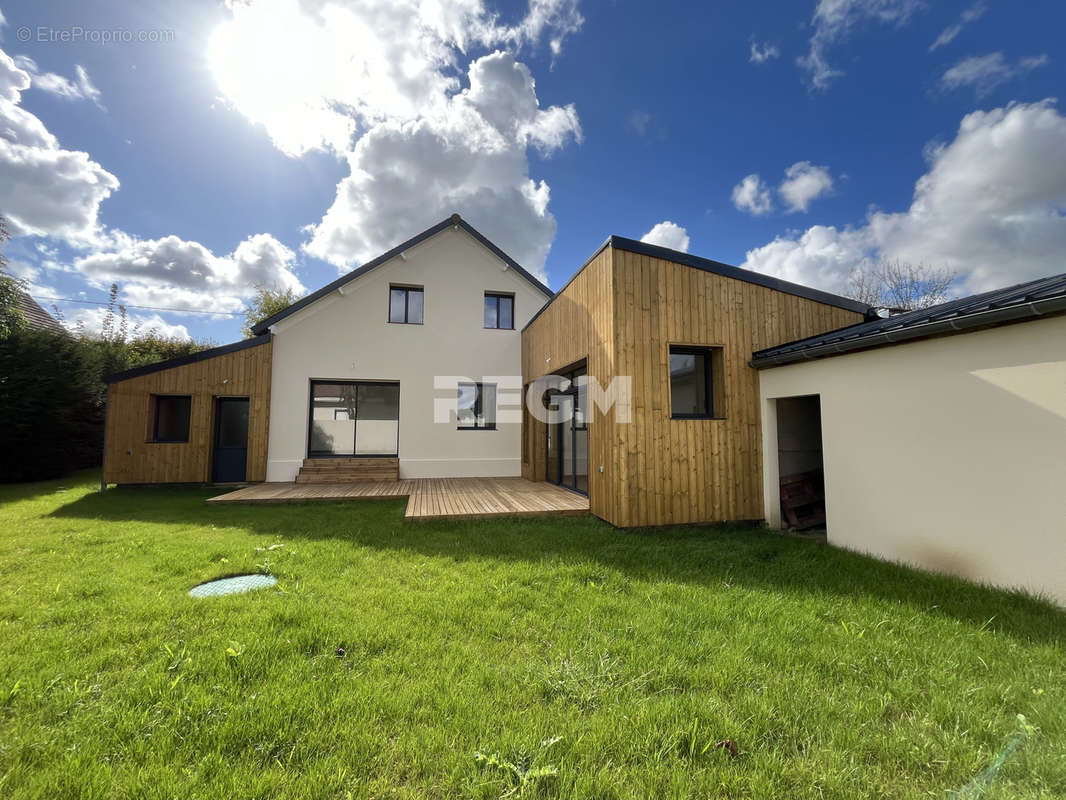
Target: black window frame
x=406, y=304
x=497, y=296
x=155, y=418
x=478, y=409
x=708, y=354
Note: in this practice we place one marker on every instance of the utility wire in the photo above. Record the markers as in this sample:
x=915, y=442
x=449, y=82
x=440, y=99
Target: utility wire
x=144, y=308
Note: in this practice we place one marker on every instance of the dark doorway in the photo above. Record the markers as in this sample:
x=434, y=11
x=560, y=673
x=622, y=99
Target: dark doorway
x=799, y=462
x=230, y=462
x=568, y=439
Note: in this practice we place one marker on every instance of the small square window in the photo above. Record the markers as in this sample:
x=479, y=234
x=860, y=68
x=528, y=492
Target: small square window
x=406, y=304
x=476, y=406
x=170, y=417
x=499, y=311
x=695, y=375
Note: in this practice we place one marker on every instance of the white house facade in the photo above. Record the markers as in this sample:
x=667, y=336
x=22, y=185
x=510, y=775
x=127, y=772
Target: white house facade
x=416, y=355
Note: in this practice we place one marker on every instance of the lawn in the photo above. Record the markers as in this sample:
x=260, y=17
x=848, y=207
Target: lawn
x=542, y=657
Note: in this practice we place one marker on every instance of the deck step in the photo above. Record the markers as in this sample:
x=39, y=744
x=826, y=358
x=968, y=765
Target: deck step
x=348, y=470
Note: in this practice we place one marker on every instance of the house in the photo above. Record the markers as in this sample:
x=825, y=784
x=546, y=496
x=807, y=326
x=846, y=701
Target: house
x=399, y=368
x=941, y=434
x=673, y=333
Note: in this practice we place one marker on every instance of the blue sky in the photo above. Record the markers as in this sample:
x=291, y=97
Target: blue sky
x=283, y=144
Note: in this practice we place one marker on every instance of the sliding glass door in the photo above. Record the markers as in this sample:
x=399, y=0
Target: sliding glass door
x=568, y=438
x=354, y=418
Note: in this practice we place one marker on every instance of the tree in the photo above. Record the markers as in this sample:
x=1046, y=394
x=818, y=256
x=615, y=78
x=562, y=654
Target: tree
x=900, y=285
x=266, y=302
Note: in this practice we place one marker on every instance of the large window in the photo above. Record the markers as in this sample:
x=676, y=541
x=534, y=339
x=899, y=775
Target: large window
x=354, y=418
x=406, y=304
x=693, y=389
x=170, y=417
x=499, y=311
x=476, y=407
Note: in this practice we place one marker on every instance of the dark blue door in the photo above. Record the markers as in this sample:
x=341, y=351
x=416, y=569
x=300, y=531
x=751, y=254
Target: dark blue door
x=229, y=464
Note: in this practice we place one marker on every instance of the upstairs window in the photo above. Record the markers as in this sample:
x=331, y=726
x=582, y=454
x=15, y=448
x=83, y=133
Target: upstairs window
x=476, y=407
x=499, y=311
x=695, y=382
x=405, y=304
x=170, y=417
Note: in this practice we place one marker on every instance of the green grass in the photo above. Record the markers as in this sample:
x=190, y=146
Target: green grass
x=546, y=657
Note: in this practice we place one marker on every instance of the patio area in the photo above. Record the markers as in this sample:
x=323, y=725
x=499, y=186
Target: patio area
x=428, y=498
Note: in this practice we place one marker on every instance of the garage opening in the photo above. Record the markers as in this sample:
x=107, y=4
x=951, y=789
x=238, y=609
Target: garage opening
x=799, y=459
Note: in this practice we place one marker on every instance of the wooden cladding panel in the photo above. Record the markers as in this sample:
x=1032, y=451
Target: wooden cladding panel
x=131, y=457
x=578, y=325
x=696, y=470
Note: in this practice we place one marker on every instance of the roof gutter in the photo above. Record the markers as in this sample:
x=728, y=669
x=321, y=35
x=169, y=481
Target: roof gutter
x=1015, y=313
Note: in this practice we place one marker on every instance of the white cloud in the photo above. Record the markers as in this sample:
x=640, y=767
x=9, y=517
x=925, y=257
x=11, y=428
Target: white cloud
x=173, y=273
x=44, y=189
x=380, y=83
x=985, y=73
x=992, y=206
x=971, y=14
x=667, y=234
x=760, y=54
x=752, y=195
x=80, y=87
x=470, y=158
x=836, y=20
x=804, y=182
x=91, y=320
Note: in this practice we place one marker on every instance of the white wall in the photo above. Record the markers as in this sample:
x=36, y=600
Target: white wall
x=348, y=337
x=947, y=453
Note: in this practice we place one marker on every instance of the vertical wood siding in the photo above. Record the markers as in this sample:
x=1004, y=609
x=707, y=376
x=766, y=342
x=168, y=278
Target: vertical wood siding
x=627, y=313
x=130, y=456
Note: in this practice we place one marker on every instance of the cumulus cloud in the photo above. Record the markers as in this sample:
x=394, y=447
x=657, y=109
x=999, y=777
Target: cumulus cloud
x=991, y=206
x=91, y=320
x=985, y=73
x=752, y=195
x=836, y=20
x=469, y=158
x=45, y=190
x=804, y=182
x=761, y=53
x=175, y=273
x=667, y=234
x=426, y=129
x=80, y=87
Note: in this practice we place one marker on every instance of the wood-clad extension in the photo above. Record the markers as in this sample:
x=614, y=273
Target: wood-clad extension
x=130, y=456
x=622, y=313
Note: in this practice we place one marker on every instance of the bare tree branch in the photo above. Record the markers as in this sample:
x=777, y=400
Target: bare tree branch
x=900, y=285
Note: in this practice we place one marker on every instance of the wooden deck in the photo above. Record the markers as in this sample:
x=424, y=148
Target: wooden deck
x=428, y=498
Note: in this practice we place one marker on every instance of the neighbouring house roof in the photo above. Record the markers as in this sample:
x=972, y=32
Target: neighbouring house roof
x=1018, y=303
x=192, y=358
x=717, y=267
x=37, y=317
x=453, y=221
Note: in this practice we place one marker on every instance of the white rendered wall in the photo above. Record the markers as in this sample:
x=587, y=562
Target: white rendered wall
x=947, y=453
x=348, y=337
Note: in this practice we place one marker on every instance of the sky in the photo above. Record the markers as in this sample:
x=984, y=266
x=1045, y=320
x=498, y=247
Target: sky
x=190, y=152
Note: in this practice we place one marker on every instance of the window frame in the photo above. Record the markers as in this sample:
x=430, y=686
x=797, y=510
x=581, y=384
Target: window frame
x=155, y=398
x=397, y=287
x=708, y=353
x=497, y=296
x=478, y=409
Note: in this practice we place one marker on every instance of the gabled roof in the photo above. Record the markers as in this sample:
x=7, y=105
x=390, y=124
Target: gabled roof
x=37, y=317
x=192, y=358
x=717, y=267
x=1013, y=304
x=453, y=221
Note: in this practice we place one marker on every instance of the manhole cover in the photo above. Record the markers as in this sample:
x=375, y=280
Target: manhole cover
x=234, y=585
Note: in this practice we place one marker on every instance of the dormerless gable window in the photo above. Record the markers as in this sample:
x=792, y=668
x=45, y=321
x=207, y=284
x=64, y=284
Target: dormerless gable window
x=406, y=304
x=499, y=310
x=476, y=406
x=170, y=417
x=693, y=374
